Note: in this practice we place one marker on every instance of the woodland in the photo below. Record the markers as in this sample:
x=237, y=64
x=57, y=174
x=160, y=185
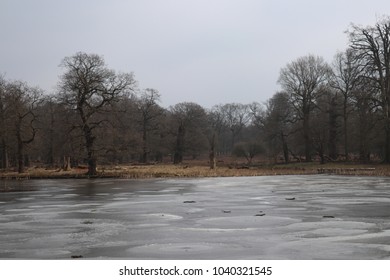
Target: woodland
x=336, y=111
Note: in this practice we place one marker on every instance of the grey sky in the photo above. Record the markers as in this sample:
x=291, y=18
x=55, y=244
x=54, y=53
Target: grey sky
x=205, y=51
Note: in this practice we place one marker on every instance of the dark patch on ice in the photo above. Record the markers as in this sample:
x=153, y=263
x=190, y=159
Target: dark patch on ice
x=76, y=256
x=260, y=215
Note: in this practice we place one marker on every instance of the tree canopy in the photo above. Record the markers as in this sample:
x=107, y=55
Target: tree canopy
x=325, y=111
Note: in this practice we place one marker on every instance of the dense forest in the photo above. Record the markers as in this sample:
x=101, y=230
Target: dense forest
x=325, y=111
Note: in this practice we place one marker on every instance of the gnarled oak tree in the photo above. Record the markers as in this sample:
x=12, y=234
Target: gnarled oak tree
x=89, y=87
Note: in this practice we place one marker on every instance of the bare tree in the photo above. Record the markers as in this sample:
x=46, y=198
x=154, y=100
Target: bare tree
x=52, y=142
x=4, y=120
x=326, y=126
x=257, y=114
x=248, y=150
x=236, y=117
x=190, y=124
x=215, y=125
x=345, y=80
x=149, y=112
x=368, y=120
x=89, y=87
x=120, y=138
x=23, y=102
x=277, y=123
x=303, y=80
x=371, y=47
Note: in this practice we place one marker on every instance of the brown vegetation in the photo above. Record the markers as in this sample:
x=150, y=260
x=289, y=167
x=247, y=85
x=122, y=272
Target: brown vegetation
x=196, y=169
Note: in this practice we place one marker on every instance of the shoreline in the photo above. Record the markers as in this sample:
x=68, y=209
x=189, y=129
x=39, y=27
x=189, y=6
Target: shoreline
x=199, y=171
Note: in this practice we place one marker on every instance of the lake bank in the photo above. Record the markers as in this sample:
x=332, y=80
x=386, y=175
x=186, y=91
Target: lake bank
x=198, y=171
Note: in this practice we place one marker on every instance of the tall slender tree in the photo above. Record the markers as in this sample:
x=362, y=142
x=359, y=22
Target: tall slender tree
x=345, y=81
x=4, y=120
x=148, y=113
x=23, y=102
x=371, y=47
x=236, y=116
x=277, y=122
x=189, y=121
x=304, y=80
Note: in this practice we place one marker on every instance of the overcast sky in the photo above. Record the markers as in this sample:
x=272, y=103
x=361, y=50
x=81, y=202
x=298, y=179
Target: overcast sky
x=204, y=51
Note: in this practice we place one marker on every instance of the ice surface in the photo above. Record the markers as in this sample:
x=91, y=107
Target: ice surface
x=278, y=217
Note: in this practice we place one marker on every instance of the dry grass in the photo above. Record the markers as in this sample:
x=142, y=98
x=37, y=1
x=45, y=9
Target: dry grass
x=196, y=169
x=165, y=171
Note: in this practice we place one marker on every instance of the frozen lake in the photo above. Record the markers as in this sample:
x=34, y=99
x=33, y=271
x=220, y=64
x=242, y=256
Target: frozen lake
x=278, y=217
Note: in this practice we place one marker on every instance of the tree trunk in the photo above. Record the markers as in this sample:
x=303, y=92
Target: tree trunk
x=144, y=158
x=363, y=137
x=27, y=160
x=177, y=158
x=4, y=151
x=285, y=147
x=50, y=156
x=307, y=136
x=387, y=135
x=212, y=157
x=20, y=156
x=21, y=144
x=332, y=146
x=91, y=159
x=67, y=165
x=321, y=154
x=92, y=170
x=346, y=148
x=179, y=150
x=387, y=144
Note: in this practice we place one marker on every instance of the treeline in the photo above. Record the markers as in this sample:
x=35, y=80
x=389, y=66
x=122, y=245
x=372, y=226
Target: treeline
x=326, y=111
